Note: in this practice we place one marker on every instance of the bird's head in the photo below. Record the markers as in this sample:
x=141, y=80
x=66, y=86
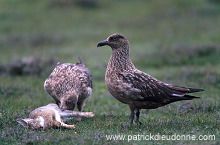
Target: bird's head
x=115, y=41
x=68, y=102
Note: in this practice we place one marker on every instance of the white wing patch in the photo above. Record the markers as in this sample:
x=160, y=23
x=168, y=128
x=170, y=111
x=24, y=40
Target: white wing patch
x=178, y=95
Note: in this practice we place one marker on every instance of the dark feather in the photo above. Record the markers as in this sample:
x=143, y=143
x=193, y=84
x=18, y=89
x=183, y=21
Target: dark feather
x=185, y=97
x=80, y=60
x=192, y=90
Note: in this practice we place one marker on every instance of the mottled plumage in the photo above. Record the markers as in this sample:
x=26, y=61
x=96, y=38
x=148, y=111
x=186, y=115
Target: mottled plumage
x=69, y=84
x=134, y=87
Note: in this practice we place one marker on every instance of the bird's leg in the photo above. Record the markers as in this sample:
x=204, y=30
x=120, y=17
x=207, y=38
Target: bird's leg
x=132, y=116
x=137, y=117
x=80, y=105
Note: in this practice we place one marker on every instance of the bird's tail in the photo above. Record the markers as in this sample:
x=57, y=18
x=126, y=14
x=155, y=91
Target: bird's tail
x=189, y=97
x=184, y=97
x=80, y=60
x=183, y=90
x=180, y=93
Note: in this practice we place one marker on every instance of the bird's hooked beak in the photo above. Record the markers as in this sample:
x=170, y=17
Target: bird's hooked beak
x=102, y=43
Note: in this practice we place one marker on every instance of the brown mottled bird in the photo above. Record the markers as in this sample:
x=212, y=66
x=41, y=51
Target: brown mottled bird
x=134, y=87
x=69, y=84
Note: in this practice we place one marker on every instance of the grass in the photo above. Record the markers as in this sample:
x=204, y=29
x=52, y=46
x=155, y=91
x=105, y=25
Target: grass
x=175, y=41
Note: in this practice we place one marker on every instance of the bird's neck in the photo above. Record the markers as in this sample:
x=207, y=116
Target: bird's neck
x=120, y=61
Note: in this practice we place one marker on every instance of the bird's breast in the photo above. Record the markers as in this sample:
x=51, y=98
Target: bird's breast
x=114, y=90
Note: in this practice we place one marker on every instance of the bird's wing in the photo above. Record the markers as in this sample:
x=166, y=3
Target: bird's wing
x=149, y=88
x=182, y=90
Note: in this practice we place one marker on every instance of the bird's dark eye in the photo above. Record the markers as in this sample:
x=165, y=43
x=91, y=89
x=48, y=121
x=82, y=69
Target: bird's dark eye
x=115, y=38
